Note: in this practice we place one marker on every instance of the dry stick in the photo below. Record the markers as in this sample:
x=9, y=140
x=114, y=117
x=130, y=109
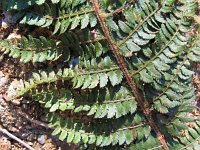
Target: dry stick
x=33, y=120
x=121, y=62
x=4, y=131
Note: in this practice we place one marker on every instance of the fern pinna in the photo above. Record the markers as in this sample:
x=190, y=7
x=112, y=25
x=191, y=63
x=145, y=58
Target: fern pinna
x=123, y=74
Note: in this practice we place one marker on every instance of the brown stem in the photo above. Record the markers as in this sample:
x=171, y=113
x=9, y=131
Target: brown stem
x=144, y=105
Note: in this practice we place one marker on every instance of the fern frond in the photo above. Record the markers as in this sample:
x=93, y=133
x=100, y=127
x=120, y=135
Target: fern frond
x=47, y=14
x=127, y=73
x=33, y=49
x=75, y=132
x=88, y=75
x=111, y=103
x=44, y=77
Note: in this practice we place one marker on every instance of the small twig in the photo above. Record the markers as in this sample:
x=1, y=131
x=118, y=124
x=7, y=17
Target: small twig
x=4, y=131
x=33, y=120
